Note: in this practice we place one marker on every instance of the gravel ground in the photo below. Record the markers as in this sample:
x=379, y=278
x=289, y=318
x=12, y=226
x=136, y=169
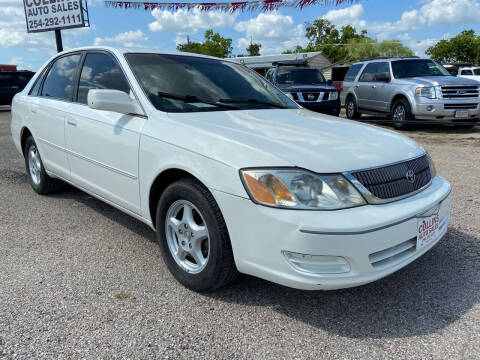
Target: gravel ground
x=79, y=279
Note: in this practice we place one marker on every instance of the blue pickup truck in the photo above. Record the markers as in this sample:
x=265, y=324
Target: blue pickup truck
x=306, y=86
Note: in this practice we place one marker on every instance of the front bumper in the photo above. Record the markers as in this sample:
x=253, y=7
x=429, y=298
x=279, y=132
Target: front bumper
x=426, y=109
x=260, y=235
x=327, y=107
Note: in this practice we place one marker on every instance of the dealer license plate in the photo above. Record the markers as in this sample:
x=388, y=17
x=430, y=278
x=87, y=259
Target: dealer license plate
x=461, y=114
x=427, y=230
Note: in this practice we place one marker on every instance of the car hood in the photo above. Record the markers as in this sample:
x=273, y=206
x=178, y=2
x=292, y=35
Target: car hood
x=307, y=88
x=290, y=137
x=438, y=80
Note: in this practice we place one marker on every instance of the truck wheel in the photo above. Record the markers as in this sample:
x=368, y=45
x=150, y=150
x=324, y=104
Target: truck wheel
x=401, y=114
x=351, y=109
x=37, y=177
x=193, y=237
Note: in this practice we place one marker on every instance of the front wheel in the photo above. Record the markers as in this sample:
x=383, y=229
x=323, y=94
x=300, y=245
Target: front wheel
x=402, y=114
x=193, y=237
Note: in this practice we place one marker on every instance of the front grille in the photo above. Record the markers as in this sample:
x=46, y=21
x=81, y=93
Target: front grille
x=393, y=255
x=314, y=96
x=460, y=106
x=391, y=181
x=460, y=92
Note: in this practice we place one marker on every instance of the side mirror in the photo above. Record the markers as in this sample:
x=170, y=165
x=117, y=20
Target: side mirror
x=384, y=76
x=329, y=82
x=113, y=100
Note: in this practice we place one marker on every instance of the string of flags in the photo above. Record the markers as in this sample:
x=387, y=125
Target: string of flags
x=231, y=7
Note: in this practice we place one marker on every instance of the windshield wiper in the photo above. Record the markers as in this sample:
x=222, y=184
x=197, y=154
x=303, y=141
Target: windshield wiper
x=194, y=99
x=252, y=101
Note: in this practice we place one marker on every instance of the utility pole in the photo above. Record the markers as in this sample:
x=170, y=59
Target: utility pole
x=58, y=38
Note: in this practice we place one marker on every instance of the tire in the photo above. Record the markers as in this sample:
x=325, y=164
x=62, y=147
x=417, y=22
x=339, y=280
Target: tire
x=402, y=114
x=202, y=262
x=40, y=182
x=351, y=109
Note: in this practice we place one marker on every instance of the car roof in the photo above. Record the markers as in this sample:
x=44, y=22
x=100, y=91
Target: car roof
x=121, y=51
x=367, y=61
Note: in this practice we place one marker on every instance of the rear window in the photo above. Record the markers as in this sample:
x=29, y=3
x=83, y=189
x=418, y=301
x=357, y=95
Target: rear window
x=353, y=72
x=467, y=72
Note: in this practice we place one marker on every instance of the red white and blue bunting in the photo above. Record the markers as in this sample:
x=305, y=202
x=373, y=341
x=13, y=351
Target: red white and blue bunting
x=231, y=7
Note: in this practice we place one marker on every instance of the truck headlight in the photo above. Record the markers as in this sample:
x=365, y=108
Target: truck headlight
x=428, y=92
x=333, y=95
x=300, y=189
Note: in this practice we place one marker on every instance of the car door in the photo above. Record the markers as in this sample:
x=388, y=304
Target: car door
x=47, y=113
x=381, y=92
x=103, y=145
x=363, y=89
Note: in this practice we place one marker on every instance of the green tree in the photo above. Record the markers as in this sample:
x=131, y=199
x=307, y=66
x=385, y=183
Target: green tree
x=465, y=47
x=214, y=45
x=393, y=48
x=253, y=49
x=364, y=48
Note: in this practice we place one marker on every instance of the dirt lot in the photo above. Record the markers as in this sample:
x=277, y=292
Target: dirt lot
x=79, y=279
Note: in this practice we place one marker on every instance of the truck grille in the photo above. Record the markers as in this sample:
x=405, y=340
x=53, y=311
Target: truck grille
x=392, y=181
x=460, y=92
x=468, y=106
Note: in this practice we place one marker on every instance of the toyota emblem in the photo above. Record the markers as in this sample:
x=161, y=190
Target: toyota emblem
x=311, y=96
x=410, y=175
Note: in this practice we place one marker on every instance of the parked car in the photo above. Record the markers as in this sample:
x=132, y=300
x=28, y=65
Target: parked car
x=409, y=89
x=472, y=72
x=12, y=82
x=307, y=86
x=232, y=174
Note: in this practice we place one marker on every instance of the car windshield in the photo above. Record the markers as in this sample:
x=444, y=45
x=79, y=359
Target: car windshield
x=300, y=76
x=181, y=83
x=417, y=68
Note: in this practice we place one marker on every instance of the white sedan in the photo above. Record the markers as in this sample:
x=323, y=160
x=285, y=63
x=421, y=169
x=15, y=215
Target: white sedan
x=231, y=174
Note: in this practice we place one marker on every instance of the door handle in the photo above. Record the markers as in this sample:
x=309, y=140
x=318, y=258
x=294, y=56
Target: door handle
x=374, y=86
x=71, y=123
x=33, y=111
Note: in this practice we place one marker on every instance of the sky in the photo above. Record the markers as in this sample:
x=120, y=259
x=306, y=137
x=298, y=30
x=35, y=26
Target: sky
x=417, y=23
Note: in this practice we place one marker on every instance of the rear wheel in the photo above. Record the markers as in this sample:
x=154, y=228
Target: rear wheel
x=401, y=114
x=193, y=237
x=37, y=177
x=351, y=109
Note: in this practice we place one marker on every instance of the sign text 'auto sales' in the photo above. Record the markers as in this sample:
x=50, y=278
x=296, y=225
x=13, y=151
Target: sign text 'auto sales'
x=46, y=15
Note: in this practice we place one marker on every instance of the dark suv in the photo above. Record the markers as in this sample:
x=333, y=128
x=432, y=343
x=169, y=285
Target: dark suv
x=306, y=86
x=12, y=82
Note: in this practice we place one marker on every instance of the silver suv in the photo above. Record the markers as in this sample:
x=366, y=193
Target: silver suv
x=409, y=89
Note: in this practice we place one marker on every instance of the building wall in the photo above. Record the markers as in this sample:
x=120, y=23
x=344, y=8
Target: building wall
x=319, y=62
x=8, y=67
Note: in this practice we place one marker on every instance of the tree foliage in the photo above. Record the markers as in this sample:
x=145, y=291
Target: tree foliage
x=253, y=49
x=214, y=45
x=347, y=43
x=465, y=47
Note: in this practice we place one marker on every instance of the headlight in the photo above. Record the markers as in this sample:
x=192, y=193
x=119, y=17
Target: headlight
x=299, y=189
x=428, y=92
x=333, y=95
x=433, y=169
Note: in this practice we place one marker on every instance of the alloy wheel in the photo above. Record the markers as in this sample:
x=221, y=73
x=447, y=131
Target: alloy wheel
x=187, y=236
x=399, y=115
x=34, y=165
x=350, y=108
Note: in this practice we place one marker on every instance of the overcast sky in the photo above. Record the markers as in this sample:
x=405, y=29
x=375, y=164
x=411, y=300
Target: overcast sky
x=418, y=23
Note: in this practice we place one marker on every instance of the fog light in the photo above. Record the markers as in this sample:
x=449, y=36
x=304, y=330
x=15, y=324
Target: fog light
x=317, y=264
x=429, y=108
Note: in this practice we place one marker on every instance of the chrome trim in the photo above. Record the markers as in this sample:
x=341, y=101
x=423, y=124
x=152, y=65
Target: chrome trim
x=372, y=199
x=69, y=152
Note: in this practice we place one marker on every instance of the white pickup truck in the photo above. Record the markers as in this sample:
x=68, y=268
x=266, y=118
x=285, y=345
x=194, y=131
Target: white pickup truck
x=470, y=72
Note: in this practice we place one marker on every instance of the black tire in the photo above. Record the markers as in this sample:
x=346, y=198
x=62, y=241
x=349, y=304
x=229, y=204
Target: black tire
x=220, y=266
x=402, y=114
x=351, y=109
x=44, y=184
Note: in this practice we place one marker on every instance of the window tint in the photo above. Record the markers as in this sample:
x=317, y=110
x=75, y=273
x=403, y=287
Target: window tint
x=352, y=72
x=100, y=71
x=383, y=67
x=36, y=87
x=59, y=81
x=369, y=72
x=467, y=72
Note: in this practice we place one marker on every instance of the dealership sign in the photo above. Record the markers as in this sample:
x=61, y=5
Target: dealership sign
x=46, y=15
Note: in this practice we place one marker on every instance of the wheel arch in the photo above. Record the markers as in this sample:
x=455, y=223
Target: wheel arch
x=399, y=97
x=25, y=133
